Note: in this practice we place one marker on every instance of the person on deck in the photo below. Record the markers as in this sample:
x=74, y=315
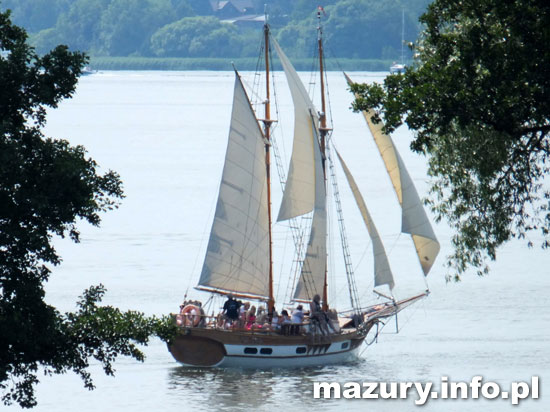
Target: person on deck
x=284, y=321
x=316, y=313
x=275, y=321
x=242, y=314
x=231, y=309
x=296, y=320
x=261, y=316
x=251, y=318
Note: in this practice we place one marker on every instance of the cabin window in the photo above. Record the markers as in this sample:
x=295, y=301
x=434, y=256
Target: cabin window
x=345, y=345
x=266, y=351
x=251, y=351
x=301, y=349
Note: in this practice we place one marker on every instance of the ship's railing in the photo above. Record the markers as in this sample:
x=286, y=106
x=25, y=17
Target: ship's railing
x=310, y=327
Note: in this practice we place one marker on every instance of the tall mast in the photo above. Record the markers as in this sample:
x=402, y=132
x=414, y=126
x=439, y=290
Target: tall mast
x=267, y=125
x=402, y=35
x=323, y=130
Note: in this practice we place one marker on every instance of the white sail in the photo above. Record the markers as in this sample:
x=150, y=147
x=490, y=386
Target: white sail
x=237, y=256
x=382, y=272
x=414, y=219
x=299, y=194
x=305, y=187
x=314, y=267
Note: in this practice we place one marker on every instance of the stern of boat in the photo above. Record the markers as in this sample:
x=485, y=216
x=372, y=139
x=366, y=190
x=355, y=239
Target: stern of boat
x=197, y=350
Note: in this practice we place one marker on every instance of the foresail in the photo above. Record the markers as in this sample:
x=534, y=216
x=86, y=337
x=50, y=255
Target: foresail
x=414, y=219
x=382, y=272
x=237, y=256
x=299, y=194
x=312, y=276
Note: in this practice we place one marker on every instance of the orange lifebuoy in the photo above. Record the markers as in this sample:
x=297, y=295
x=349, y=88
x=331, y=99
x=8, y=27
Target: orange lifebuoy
x=190, y=315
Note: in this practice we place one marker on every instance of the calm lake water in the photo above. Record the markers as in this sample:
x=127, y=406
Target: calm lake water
x=165, y=133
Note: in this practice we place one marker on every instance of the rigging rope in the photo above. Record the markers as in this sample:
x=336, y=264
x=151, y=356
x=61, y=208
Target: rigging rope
x=204, y=231
x=353, y=292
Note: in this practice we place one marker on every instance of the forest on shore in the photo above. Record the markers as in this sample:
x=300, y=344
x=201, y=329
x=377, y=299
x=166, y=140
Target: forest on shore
x=205, y=34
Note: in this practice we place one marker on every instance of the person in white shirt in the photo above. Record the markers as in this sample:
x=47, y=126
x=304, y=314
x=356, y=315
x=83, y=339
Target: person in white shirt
x=296, y=320
x=298, y=315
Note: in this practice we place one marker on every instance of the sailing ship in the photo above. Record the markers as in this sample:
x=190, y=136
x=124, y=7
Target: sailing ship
x=400, y=67
x=86, y=71
x=239, y=258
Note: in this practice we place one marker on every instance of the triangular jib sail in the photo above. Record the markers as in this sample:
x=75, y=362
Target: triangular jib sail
x=382, y=272
x=414, y=219
x=237, y=256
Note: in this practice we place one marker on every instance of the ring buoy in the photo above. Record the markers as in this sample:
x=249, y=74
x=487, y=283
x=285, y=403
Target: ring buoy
x=190, y=315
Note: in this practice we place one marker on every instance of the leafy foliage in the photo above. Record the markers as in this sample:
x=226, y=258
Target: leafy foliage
x=479, y=101
x=36, y=14
x=376, y=33
x=79, y=27
x=197, y=36
x=127, y=25
x=46, y=186
x=68, y=342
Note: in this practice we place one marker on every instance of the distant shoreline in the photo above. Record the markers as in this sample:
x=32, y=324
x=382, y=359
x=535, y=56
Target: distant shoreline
x=221, y=64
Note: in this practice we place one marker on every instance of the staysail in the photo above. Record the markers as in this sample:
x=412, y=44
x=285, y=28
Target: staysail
x=237, y=256
x=299, y=194
x=305, y=188
x=314, y=267
x=414, y=220
x=382, y=272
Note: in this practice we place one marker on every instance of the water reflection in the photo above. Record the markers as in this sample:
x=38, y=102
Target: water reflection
x=233, y=389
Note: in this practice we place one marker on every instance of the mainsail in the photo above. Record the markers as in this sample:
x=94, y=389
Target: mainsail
x=382, y=272
x=237, y=256
x=414, y=220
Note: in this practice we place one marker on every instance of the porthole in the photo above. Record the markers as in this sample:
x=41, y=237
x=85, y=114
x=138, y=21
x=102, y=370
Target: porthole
x=251, y=351
x=345, y=345
x=301, y=349
x=266, y=351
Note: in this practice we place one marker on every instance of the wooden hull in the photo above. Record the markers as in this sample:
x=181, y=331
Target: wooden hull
x=208, y=347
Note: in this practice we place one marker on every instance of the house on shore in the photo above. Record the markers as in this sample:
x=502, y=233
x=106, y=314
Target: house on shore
x=238, y=12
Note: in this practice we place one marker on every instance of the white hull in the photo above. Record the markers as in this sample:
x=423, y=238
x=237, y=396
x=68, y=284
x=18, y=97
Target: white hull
x=248, y=349
x=288, y=361
x=397, y=68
